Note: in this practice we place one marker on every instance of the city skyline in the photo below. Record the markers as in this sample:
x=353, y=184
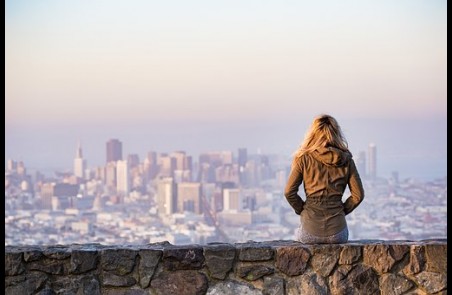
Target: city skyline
x=221, y=192
x=366, y=159
x=221, y=75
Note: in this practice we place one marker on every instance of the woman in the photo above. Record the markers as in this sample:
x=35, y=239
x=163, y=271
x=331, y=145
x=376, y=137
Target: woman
x=325, y=166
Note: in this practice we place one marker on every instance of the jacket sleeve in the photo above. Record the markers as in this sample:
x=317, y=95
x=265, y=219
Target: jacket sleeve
x=291, y=190
x=356, y=190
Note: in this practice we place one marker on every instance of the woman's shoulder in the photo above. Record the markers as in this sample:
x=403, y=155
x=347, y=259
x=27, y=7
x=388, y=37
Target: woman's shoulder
x=304, y=158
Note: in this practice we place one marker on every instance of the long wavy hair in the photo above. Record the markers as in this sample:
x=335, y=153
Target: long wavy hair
x=324, y=132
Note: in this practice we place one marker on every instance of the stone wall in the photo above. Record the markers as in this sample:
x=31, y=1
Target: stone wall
x=273, y=267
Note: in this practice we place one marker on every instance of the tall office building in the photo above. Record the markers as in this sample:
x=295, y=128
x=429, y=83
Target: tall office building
x=251, y=174
x=372, y=153
x=46, y=195
x=166, y=196
x=179, y=157
x=58, y=196
x=150, y=166
x=232, y=199
x=114, y=150
x=167, y=164
x=122, y=178
x=242, y=157
x=182, y=166
x=79, y=163
x=188, y=163
x=182, y=176
x=110, y=175
x=189, y=197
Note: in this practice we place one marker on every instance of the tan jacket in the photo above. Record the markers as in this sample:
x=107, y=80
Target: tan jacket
x=325, y=175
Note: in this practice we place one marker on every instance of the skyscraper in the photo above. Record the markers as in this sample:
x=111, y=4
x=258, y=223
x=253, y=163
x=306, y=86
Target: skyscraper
x=242, y=157
x=166, y=196
x=79, y=163
x=179, y=157
x=182, y=165
x=114, y=150
x=167, y=164
x=122, y=178
x=232, y=199
x=150, y=165
x=110, y=176
x=372, y=152
x=189, y=197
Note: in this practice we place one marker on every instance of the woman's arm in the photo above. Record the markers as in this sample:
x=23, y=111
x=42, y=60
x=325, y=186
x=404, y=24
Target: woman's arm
x=291, y=190
x=356, y=190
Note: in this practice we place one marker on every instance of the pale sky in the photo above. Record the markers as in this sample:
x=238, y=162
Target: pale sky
x=77, y=69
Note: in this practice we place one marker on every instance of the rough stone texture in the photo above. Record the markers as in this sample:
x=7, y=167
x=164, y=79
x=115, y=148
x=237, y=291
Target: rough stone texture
x=180, y=282
x=183, y=257
x=112, y=280
x=24, y=284
x=432, y=282
x=13, y=263
x=267, y=268
x=398, y=251
x=360, y=279
x=58, y=252
x=274, y=286
x=33, y=254
x=392, y=284
x=76, y=285
x=253, y=251
x=149, y=260
x=83, y=261
x=324, y=258
x=350, y=254
x=233, y=288
x=49, y=292
x=417, y=260
x=122, y=291
x=292, y=261
x=219, y=259
x=118, y=261
x=308, y=283
x=254, y=272
x=378, y=257
x=436, y=256
x=50, y=266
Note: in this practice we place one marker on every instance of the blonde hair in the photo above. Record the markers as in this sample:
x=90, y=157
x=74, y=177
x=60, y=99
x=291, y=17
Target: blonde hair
x=324, y=132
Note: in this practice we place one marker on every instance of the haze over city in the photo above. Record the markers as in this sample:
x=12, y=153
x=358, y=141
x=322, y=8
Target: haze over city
x=201, y=75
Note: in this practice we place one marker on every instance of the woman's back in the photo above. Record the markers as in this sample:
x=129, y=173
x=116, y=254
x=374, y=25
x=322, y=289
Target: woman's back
x=325, y=167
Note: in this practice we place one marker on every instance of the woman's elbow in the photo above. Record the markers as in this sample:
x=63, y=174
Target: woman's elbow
x=288, y=192
x=360, y=198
